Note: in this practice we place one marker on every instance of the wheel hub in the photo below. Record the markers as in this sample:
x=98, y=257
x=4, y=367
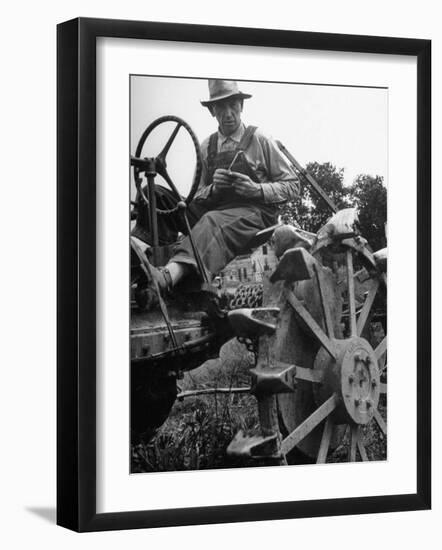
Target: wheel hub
x=354, y=376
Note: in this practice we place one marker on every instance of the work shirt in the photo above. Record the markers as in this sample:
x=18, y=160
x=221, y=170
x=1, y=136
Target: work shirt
x=278, y=181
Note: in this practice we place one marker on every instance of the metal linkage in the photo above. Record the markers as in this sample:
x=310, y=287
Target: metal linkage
x=201, y=267
x=309, y=178
x=212, y=391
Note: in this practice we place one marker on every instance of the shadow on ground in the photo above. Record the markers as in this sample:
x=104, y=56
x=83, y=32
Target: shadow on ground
x=46, y=513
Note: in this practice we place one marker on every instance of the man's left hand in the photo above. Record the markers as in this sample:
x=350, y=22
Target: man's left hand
x=245, y=187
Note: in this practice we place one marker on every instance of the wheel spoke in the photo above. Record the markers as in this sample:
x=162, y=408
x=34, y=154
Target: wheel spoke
x=351, y=293
x=324, y=303
x=163, y=172
x=381, y=349
x=315, y=329
x=166, y=148
x=362, y=250
x=353, y=442
x=309, y=424
x=325, y=441
x=381, y=422
x=361, y=447
x=365, y=311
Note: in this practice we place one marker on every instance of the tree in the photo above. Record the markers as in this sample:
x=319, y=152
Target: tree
x=308, y=211
x=369, y=195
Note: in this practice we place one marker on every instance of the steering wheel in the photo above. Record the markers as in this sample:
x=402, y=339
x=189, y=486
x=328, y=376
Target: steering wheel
x=159, y=164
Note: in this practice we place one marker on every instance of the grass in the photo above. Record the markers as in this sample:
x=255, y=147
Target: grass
x=199, y=429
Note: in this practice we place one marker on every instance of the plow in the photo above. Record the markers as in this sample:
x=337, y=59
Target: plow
x=316, y=326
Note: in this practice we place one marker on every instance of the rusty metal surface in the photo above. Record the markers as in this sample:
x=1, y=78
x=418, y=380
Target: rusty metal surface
x=296, y=264
x=146, y=343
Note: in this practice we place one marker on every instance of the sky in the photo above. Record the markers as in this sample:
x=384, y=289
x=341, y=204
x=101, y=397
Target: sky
x=346, y=126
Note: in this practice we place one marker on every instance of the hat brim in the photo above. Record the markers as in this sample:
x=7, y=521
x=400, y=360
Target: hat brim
x=240, y=95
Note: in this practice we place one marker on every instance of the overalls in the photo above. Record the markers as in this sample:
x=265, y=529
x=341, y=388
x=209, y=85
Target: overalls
x=223, y=231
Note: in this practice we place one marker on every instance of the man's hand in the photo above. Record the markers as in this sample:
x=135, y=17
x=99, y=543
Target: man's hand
x=227, y=181
x=222, y=180
x=245, y=187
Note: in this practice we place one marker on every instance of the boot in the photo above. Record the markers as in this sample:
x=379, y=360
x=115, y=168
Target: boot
x=156, y=279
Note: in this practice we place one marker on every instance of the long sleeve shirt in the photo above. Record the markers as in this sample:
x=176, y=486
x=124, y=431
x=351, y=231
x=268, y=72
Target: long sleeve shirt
x=278, y=181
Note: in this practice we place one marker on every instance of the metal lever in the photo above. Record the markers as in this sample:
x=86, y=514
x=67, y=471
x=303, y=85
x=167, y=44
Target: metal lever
x=201, y=267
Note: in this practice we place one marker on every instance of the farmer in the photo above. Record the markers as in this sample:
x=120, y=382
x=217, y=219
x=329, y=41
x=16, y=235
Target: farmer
x=244, y=180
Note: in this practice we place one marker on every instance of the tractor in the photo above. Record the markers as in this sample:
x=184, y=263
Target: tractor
x=320, y=370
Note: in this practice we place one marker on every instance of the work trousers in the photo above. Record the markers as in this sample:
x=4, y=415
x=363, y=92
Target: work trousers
x=220, y=232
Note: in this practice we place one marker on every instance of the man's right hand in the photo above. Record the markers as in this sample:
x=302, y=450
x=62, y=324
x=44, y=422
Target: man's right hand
x=222, y=182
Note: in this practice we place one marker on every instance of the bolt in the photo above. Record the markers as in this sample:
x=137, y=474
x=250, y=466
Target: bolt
x=357, y=402
x=374, y=382
x=351, y=379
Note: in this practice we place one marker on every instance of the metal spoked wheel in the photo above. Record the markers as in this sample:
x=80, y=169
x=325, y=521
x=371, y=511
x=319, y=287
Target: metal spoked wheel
x=343, y=382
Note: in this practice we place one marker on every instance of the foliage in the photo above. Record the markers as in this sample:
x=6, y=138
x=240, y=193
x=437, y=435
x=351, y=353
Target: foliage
x=197, y=434
x=367, y=193
x=310, y=212
x=199, y=429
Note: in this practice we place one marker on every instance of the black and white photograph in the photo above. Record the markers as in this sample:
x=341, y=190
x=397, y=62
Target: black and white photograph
x=232, y=205
x=203, y=206
x=258, y=273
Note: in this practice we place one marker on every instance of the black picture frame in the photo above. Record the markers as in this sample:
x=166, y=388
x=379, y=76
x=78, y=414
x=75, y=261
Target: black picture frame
x=76, y=273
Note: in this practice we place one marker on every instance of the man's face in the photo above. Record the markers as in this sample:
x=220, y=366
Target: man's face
x=228, y=114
